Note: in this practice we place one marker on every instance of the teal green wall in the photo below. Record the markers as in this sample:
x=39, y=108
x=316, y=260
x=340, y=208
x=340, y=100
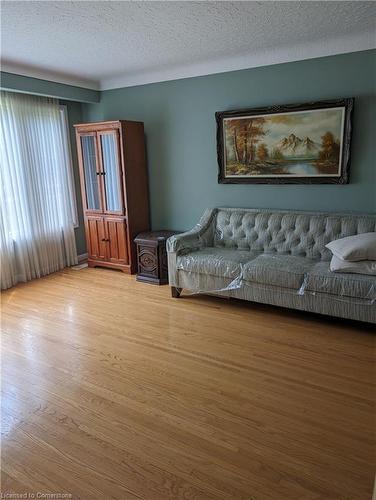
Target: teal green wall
x=181, y=143
x=180, y=133
x=37, y=86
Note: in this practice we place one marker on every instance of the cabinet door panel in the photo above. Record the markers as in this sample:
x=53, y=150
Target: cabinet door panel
x=111, y=172
x=118, y=241
x=90, y=170
x=96, y=238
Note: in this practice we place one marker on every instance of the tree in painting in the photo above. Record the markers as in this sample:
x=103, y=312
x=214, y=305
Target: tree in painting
x=262, y=152
x=277, y=154
x=329, y=148
x=245, y=135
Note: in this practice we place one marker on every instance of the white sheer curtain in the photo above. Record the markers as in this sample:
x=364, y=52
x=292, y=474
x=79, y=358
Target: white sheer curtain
x=37, y=199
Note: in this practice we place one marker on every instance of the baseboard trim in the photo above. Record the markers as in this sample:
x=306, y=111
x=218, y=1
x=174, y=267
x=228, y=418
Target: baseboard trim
x=82, y=258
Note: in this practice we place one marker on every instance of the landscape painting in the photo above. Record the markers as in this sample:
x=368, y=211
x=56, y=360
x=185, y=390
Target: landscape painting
x=300, y=145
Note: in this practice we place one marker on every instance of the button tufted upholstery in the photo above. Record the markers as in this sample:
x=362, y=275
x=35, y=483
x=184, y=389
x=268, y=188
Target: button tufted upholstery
x=296, y=233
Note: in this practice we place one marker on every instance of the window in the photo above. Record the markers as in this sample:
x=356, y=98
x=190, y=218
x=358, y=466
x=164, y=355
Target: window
x=37, y=196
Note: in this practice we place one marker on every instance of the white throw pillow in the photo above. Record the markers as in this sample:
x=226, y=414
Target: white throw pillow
x=355, y=248
x=344, y=266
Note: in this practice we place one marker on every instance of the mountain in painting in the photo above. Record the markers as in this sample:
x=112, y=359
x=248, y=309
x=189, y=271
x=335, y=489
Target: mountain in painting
x=295, y=147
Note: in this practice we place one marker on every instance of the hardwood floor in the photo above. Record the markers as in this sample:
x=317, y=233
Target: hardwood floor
x=114, y=390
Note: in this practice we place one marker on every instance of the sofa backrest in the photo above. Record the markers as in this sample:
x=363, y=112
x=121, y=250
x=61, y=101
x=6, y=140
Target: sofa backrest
x=296, y=233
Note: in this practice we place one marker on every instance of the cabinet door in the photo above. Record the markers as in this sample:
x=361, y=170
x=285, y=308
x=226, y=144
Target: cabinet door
x=108, y=144
x=96, y=238
x=90, y=172
x=117, y=246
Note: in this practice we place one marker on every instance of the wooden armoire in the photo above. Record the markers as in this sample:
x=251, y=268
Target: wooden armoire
x=114, y=187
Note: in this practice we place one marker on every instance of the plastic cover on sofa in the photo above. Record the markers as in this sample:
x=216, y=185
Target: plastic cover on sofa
x=230, y=249
x=292, y=273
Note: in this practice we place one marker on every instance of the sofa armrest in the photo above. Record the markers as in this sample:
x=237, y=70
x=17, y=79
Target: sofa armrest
x=200, y=236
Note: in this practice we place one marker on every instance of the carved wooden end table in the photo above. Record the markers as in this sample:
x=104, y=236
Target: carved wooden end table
x=152, y=257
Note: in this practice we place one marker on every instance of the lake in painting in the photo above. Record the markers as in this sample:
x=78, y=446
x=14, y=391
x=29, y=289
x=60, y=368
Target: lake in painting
x=294, y=144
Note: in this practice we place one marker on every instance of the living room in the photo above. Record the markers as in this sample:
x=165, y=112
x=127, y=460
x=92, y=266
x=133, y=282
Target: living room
x=188, y=249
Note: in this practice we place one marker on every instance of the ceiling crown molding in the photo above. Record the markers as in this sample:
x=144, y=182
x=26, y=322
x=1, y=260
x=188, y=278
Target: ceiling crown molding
x=299, y=52
x=51, y=76
x=322, y=48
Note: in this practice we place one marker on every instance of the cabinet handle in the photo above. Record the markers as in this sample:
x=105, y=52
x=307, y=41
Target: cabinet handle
x=105, y=239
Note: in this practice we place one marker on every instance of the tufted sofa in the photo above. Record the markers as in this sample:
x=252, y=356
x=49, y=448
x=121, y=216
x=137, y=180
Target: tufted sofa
x=274, y=257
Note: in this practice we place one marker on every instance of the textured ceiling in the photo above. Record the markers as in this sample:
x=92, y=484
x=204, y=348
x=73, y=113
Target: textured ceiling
x=111, y=43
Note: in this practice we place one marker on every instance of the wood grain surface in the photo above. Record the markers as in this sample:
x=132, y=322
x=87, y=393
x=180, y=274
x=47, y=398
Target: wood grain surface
x=113, y=390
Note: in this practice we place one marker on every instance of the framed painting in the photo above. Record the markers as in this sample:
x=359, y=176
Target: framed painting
x=292, y=144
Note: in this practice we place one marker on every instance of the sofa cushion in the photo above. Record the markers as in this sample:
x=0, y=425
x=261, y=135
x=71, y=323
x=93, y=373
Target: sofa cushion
x=278, y=270
x=215, y=261
x=320, y=279
x=286, y=271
